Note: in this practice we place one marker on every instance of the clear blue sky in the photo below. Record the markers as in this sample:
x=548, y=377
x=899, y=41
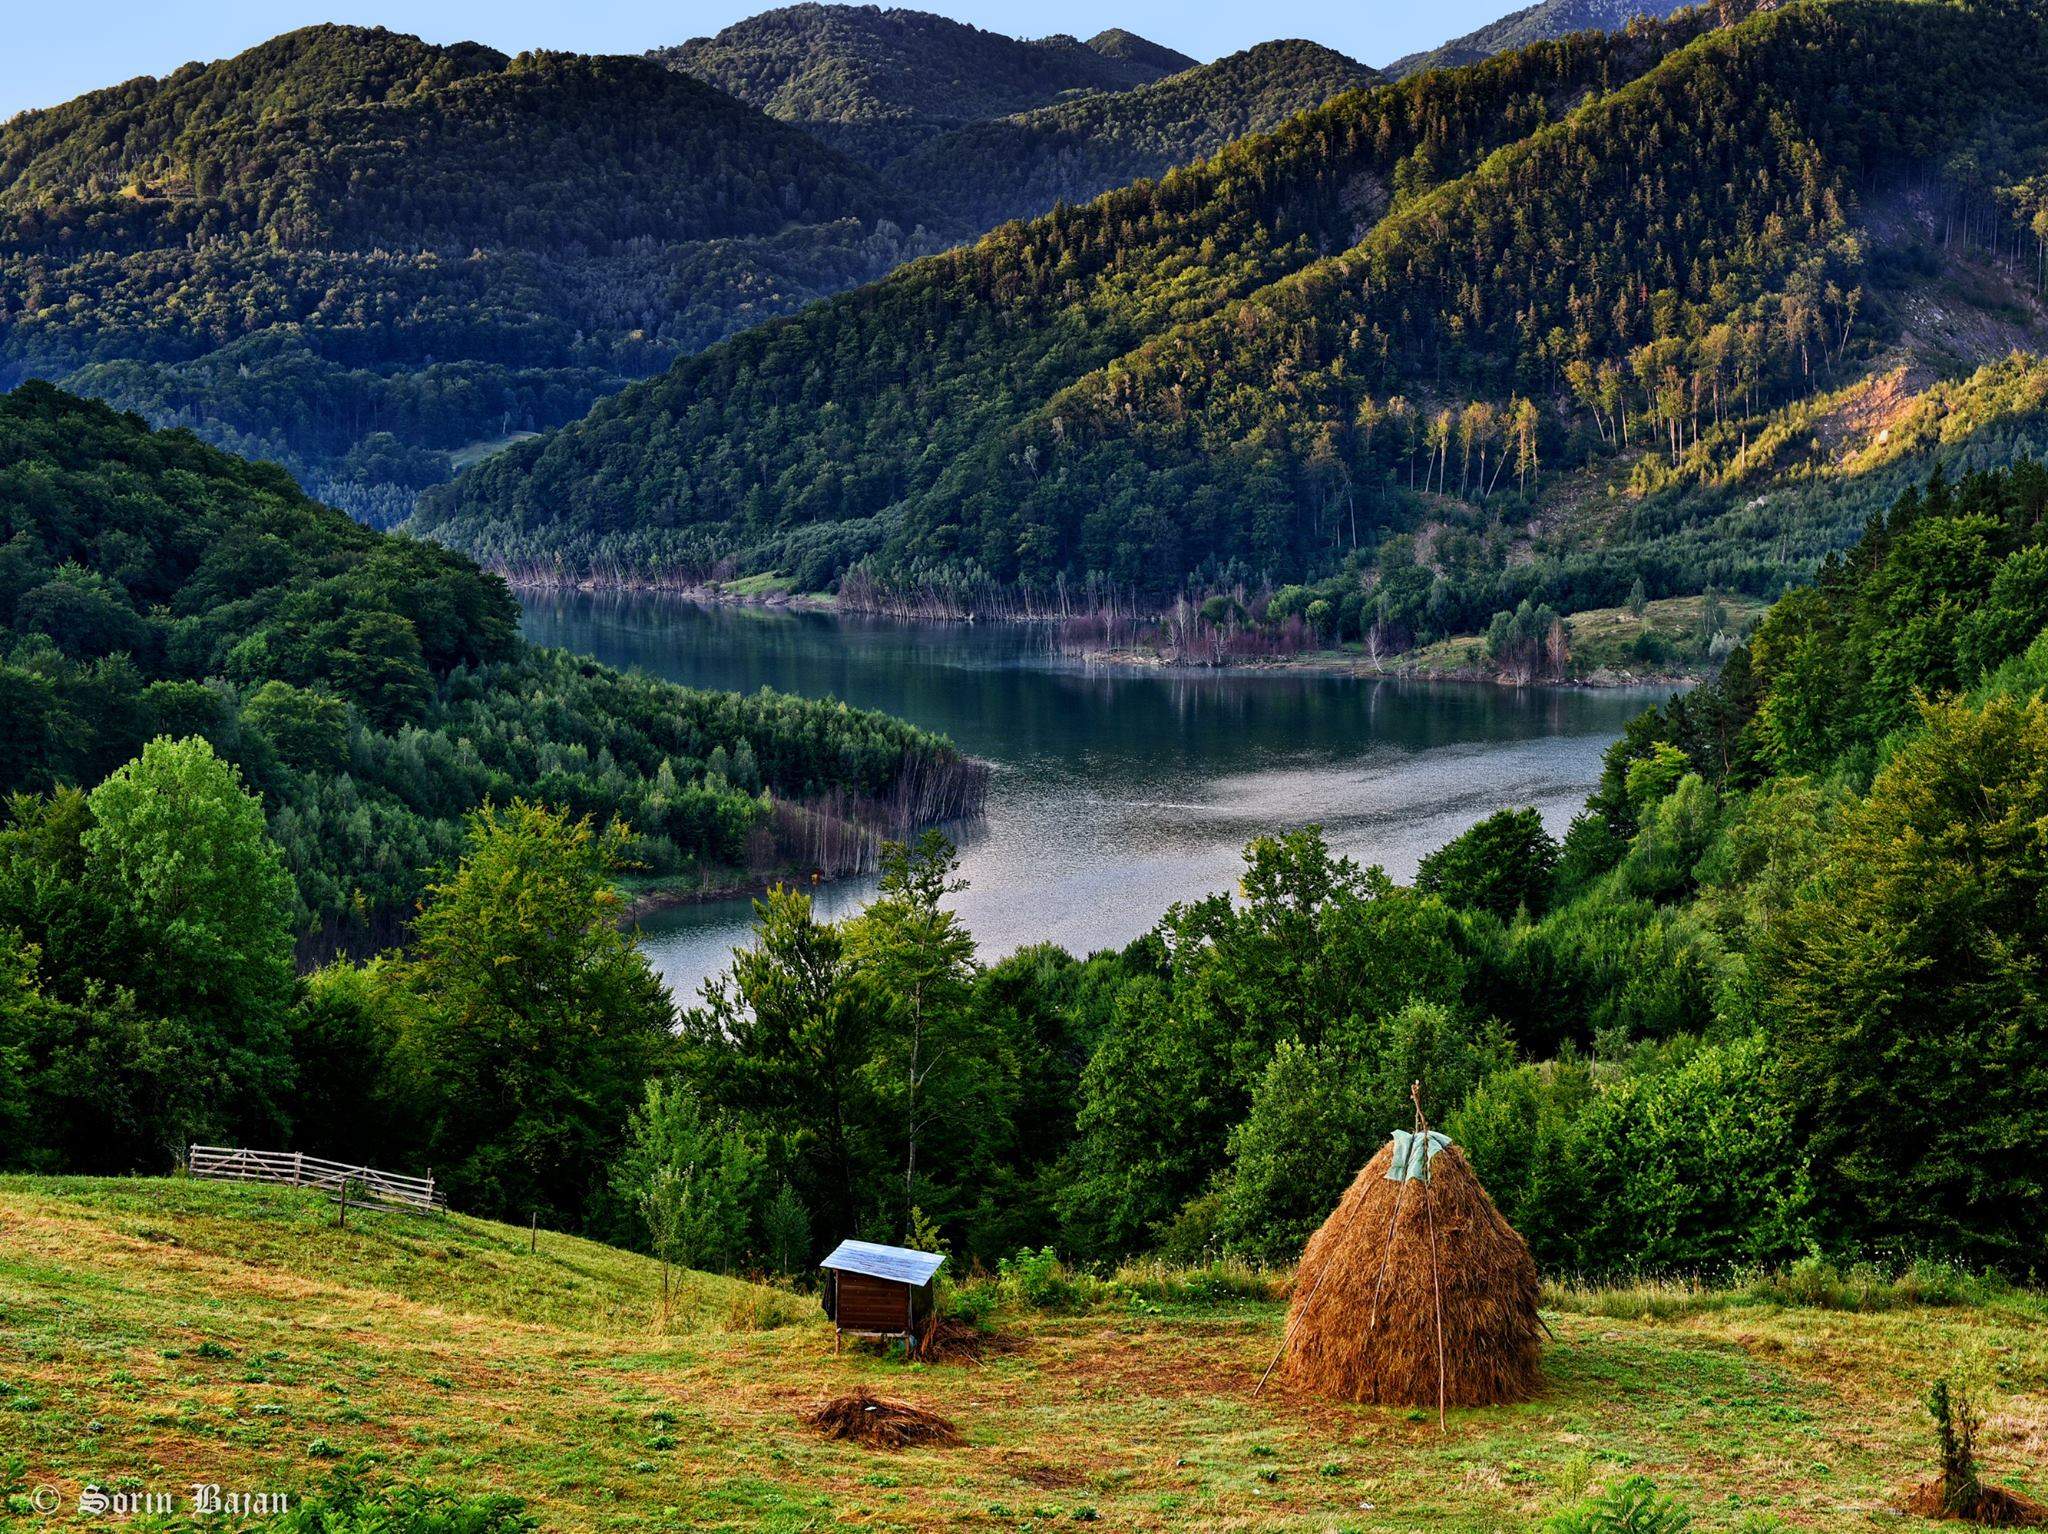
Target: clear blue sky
x=54, y=51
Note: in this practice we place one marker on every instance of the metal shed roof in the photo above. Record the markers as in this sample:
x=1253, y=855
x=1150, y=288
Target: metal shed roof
x=898, y=1263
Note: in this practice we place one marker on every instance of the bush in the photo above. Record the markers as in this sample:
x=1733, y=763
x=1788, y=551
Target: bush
x=1696, y=1170
x=1504, y=864
x=347, y=1505
x=1192, y=1236
x=1039, y=1280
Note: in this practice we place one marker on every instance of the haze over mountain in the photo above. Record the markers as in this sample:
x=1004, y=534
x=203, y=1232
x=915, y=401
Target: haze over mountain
x=878, y=83
x=1617, y=284
x=1017, y=167
x=1533, y=24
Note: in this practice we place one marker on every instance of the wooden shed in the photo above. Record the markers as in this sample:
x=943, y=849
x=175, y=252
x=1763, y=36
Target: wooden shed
x=879, y=1291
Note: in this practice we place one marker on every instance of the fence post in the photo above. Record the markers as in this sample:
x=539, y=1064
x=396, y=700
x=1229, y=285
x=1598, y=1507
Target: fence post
x=533, y=1233
x=298, y=1167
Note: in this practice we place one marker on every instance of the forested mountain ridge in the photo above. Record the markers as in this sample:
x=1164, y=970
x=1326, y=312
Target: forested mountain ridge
x=352, y=138
x=879, y=83
x=373, y=259
x=1020, y=166
x=358, y=253
x=1595, y=257
x=1546, y=19
x=373, y=688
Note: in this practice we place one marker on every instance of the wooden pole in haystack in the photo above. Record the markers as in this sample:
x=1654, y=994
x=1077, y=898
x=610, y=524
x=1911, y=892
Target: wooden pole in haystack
x=1422, y=1132
x=1436, y=1276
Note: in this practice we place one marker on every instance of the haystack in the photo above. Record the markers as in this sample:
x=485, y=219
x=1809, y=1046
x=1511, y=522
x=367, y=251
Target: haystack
x=1415, y=1292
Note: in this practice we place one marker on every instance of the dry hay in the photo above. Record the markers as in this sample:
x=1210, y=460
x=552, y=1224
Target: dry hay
x=1363, y=1324
x=879, y=1422
x=1991, y=1506
x=955, y=1342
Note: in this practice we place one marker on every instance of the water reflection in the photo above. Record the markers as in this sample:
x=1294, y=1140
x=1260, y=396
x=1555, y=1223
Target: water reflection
x=1114, y=794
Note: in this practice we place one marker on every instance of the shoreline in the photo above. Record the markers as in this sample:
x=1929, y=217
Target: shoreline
x=1134, y=662
x=1340, y=664
x=647, y=899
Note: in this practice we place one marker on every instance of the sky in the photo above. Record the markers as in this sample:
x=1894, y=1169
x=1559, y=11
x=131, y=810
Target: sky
x=53, y=52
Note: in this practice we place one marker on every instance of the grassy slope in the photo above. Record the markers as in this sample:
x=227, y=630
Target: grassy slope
x=164, y=1329
x=1600, y=640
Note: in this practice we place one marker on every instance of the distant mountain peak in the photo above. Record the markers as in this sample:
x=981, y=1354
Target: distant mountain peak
x=1532, y=24
x=1117, y=43
x=878, y=83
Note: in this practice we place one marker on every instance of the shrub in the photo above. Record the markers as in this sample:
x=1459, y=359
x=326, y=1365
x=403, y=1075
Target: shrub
x=1039, y=1280
x=1504, y=864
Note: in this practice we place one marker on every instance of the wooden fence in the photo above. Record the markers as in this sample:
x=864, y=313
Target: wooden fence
x=365, y=1184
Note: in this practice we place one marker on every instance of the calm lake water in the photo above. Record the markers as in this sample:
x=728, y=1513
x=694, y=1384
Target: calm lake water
x=1113, y=794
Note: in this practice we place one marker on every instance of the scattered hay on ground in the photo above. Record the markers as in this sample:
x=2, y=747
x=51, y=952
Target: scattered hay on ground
x=880, y=1422
x=955, y=1342
x=1992, y=1507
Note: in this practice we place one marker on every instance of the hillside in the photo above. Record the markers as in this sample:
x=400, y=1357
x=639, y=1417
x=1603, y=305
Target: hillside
x=1556, y=274
x=359, y=254
x=878, y=83
x=1533, y=24
x=170, y=1332
x=371, y=687
x=1020, y=166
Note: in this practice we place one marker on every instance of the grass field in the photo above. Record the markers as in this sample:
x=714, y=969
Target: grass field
x=157, y=1333
x=1603, y=642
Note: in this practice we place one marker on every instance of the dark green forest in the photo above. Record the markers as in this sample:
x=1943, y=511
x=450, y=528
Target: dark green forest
x=358, y=254
x=1023, y=165
x=374, y=260
x=1775, y=996
x=373, y=690
x=877, y=84
x=1560, y=277
x=803, y=445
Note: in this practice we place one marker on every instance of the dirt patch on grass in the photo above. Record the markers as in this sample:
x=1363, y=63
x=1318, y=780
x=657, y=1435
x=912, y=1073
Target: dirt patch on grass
x=1991, y=1507
x=1049, y=1477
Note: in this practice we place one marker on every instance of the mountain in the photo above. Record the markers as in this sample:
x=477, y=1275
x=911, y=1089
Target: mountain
x=1534, y=24
x=1633, y=290
x=879, y=83
x=372, y=688
x=1020, y=166
x=365, y=256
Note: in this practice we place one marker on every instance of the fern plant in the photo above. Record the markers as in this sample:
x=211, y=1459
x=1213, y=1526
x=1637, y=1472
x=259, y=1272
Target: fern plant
x=1631, y=1507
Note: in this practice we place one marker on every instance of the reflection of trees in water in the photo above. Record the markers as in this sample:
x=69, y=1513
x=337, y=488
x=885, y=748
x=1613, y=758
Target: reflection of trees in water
x=999, y=693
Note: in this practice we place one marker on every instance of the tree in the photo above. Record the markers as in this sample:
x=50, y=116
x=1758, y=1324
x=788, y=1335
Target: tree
x=307, y=728
x=786, y=1038
x=1308, y=1131
x=1502, y=865
x=695, y=1178
x=534, y=1021
x=786, y=1230
x=918, y=961
x=1903, y=989
x=202, y=913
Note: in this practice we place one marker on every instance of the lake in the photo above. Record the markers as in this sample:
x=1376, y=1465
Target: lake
x=1114, y=793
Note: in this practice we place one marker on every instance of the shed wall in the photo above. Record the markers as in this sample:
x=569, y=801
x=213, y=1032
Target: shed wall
x=868, y=1304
